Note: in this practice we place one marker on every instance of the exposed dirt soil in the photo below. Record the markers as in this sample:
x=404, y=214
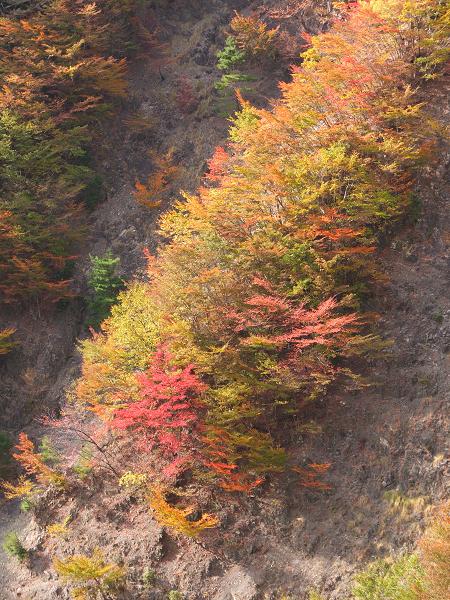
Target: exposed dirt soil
x=384, y=443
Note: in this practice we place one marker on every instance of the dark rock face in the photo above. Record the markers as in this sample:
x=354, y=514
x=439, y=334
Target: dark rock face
x=20, y=7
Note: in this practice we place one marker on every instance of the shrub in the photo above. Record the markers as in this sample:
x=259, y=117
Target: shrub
x=434, y=549
x=166, y=418
x=6, y=344
x=47, y=451
x=421, y=576
x=174, y=595
x=131, y=480
x=390, y=580
x=13, y=546
x=22, y=489
x=253, y=37
x=230, y=56
x=150, y=193
x=59, y=529
x=91, y=575
x=83, y=465
x=177, y=519
x=33, y=463
x=26, y=505
x=148, y=576
x=104, y=286
x=403, y=505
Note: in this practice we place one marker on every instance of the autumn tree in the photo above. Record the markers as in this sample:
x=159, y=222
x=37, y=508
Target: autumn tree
x=253, y=36
x=63, y=68
x=167, y=417
x=264, y=274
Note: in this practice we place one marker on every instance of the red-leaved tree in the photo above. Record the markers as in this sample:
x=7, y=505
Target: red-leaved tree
x=167, y=418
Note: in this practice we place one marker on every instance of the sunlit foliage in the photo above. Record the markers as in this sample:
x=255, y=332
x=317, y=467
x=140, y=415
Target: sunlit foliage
x=254, y=304
x=178, y=518
x=59, y=75
x=34, y=464
x=90, y=576
x=22, y=489
x=434, y=550
x=421, y=576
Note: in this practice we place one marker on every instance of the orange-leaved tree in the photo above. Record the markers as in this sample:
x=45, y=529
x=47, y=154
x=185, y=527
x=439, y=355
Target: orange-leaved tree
x=34, y=464
x=266, y=270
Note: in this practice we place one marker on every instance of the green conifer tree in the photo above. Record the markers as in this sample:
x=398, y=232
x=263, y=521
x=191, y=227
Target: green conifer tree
x=104, y=285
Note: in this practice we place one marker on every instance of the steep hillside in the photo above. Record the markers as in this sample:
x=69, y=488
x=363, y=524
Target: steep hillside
x=151, y=122
x=266, y=409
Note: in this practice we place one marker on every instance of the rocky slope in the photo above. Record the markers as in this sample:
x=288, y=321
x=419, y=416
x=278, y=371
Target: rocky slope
x=151, y=123
x=386, y=443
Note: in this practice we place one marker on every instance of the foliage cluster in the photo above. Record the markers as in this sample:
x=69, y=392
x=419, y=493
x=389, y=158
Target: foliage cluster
x=60, y=529
x=389, y=580
x=104, y=285
x=404, y=506
x=230, y=56
x=148, y=576
x=253, y=37
x=22, y=489
x=14, y=547
x=250, y=40
x=35, y=463
x=432, y=50
x=421, y=576
x=60, y=69
x=6, y=344
x=83, y=466
x=131, y=480
x=90, y=576
x=150, y=193
x=253, y=303
x=179, y=519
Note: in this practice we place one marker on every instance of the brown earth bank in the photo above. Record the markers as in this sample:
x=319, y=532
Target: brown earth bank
x=385, y=443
